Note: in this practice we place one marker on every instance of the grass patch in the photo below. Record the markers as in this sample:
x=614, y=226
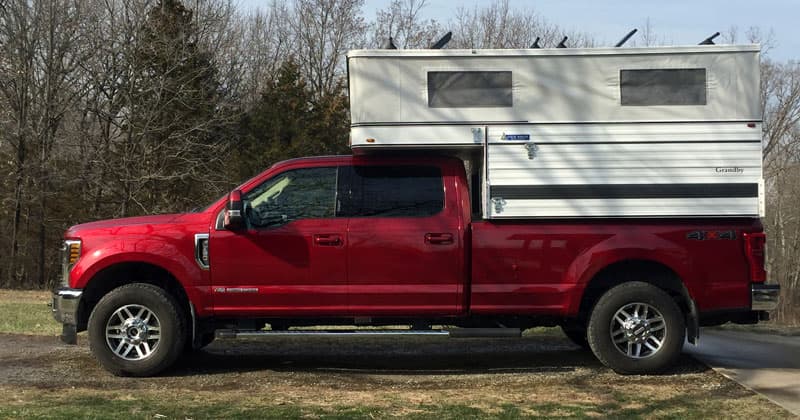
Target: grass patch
x=26, y=312
x=140, y=404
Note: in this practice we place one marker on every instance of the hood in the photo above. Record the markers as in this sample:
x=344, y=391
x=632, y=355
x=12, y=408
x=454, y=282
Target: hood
x=160, y=219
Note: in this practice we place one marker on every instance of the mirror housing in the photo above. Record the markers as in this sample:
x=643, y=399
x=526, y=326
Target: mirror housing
x=234, y=211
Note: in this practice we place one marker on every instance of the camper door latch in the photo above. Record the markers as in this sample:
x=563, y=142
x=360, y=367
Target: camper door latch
x=532, y=149
x=499, y=203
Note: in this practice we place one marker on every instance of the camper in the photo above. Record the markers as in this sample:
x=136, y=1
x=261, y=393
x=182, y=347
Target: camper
x=576, y=133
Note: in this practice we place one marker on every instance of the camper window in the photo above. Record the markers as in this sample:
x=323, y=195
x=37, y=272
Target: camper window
x=469, y=89
x=663, y=87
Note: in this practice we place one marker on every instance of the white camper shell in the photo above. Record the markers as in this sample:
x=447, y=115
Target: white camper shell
x=565, y=133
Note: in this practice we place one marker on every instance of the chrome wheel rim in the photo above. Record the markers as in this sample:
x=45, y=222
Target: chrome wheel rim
x=638, y=330
x=133, y=332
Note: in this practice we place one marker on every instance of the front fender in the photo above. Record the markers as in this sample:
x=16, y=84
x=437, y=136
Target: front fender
x=175, y=257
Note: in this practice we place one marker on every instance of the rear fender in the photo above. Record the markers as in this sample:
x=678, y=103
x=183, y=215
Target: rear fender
x=617, y=249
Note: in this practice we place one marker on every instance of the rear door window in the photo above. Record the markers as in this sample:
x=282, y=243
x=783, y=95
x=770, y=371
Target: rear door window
x=392, y=191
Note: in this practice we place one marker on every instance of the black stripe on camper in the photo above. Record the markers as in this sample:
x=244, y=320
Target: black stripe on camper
x=611, y=191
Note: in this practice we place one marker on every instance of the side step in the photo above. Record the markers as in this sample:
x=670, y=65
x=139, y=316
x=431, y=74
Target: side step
x=455, y=333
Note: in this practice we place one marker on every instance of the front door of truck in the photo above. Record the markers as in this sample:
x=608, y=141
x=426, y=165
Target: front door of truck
x=291, y=257
x=404, y=241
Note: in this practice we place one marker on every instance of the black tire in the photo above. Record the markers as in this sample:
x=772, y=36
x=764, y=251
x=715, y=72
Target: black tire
x=671, y=335
x=576, y=332
x=165, y=319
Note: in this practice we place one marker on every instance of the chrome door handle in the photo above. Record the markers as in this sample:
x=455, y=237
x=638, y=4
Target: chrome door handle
x=439, y=238
x=328, y=240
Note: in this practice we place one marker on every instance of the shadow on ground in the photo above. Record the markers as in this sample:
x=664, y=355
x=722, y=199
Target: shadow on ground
x=388, y=356
x=45, y=362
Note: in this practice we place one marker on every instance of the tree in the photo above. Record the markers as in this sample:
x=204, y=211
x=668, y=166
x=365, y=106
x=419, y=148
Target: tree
x=288, y=121
x=326, y=30
x=780, y=90
x=168, y=151
x=402, y=20
x=40, y=48
x=499, y=26
x=267, y=39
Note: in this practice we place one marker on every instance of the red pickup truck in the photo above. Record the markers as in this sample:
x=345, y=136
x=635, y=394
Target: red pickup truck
x=387, y=240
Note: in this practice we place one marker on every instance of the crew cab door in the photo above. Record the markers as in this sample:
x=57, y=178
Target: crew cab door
x=291, y=257
x=405, y=254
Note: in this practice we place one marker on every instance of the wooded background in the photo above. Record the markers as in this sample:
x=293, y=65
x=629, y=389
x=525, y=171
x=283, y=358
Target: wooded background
x=112, y=108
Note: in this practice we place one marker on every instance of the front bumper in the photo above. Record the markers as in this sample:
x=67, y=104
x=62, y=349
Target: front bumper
x=65, y=305
x=65, y=311
x=764, y=297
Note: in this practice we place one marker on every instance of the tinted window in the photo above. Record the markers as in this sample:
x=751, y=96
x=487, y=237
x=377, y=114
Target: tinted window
x=469, y=89
x=292, y=195
x=394, y=191
x=663, y=87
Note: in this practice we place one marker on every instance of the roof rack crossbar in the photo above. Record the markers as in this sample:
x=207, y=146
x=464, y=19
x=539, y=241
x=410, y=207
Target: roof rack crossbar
x=625, y=38
x=709, y=40
x=442, y=42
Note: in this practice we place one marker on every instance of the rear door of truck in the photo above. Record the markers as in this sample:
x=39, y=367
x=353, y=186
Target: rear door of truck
x=404, y=236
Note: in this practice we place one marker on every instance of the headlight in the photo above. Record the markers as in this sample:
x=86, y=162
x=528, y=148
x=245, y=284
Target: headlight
x=71, y=252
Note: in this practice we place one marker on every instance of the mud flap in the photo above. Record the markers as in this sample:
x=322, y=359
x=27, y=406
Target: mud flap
x=69, y=334
x=692, y=322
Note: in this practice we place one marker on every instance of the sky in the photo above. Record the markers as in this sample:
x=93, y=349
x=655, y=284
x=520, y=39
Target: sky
x=679, y=22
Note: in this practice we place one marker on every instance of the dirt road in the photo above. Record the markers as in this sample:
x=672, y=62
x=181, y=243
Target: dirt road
x=768, y=364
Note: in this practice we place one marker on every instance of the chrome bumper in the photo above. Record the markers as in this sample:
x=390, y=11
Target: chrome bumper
x=764, y=297
x=65, y=305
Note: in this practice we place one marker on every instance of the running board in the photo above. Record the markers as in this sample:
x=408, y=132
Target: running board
x=455, y=333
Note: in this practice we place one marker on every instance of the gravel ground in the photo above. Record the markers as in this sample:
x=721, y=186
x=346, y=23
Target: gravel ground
x=381, y=371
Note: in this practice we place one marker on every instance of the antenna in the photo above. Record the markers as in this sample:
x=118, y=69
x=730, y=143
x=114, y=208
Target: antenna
x=562, y=44
x=709, y=40
x=389, y=45
x=625, y=38
x=536, y=43
x=442, y=42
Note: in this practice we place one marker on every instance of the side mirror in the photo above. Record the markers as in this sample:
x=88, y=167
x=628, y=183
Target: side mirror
x=234, y=211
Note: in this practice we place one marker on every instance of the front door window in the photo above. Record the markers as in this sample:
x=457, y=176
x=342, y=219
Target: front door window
x=308, y=193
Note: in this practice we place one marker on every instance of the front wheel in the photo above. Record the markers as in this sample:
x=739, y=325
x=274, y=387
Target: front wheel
x=636, y=328
x=136, y=330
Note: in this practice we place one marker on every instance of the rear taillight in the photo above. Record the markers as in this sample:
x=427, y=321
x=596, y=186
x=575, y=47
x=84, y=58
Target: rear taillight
x=755, y=245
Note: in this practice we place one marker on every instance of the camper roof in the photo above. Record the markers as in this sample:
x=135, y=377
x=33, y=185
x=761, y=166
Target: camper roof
x=557, y=85
x=688, y=49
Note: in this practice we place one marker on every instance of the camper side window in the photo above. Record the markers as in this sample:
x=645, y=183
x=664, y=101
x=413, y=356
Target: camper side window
x=469, y=89
x=663, y=87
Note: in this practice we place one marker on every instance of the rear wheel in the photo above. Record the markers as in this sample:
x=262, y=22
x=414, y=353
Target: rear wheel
x=636, y=328
x=136, y=330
